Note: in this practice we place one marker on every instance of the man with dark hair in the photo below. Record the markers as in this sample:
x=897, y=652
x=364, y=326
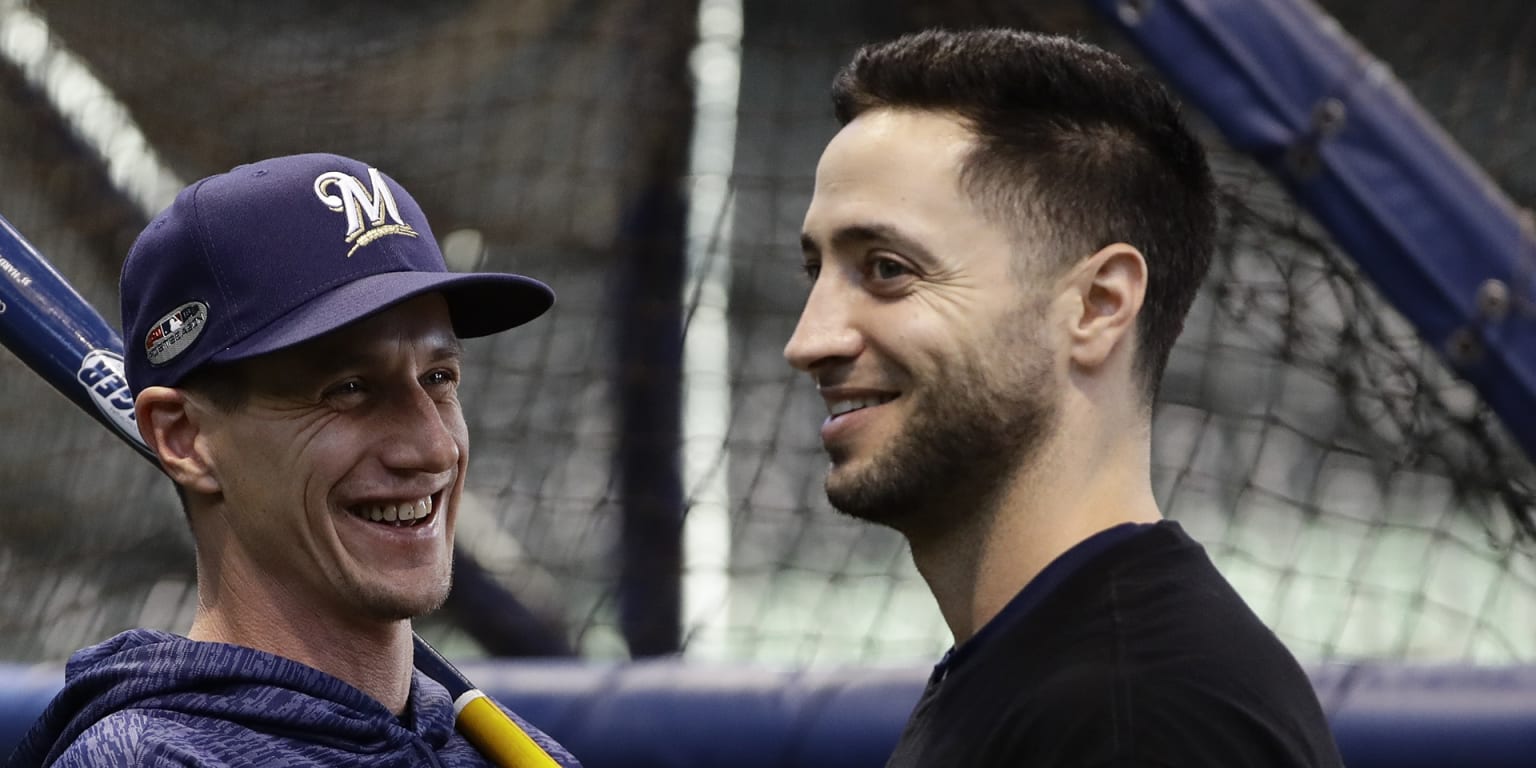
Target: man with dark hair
x=293, y=347
x=1003, y=243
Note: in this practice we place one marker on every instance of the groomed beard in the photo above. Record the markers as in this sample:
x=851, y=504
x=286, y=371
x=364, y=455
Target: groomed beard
x=963, y=443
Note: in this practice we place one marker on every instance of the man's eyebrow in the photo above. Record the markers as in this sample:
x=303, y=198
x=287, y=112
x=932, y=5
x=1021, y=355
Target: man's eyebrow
x=808, y=246
x=451, y=347
x=339, y=356
x=853, y=235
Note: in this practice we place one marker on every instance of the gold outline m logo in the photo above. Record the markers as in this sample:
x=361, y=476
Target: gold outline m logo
x=363, y=206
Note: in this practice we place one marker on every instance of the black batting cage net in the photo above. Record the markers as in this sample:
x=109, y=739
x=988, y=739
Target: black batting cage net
x=646, y=472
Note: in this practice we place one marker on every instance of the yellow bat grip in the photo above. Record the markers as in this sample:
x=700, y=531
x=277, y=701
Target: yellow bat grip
x=497, y=736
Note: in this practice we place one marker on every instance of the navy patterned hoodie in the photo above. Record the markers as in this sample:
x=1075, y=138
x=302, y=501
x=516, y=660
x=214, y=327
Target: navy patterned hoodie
x=148, y=698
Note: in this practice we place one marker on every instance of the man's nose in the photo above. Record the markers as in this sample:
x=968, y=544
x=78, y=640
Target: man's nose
x=827, y=329
x=424, y=434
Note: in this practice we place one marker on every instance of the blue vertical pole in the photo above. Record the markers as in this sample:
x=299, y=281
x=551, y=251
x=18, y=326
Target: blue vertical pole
x=648, y=380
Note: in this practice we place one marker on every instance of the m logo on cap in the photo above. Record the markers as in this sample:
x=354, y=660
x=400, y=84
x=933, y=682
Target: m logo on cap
x=366, y=210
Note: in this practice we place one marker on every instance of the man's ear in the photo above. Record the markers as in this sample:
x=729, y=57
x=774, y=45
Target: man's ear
x=171, y=424
x=1108, y=289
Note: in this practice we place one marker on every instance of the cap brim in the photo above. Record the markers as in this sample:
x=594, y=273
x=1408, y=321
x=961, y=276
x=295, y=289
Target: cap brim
x=479, y=304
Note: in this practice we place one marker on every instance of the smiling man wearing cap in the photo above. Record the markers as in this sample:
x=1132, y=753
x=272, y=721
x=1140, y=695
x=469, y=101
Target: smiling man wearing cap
x=293, y=348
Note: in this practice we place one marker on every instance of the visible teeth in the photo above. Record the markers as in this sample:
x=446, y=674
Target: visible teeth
x=398, y=513
x=849, y=406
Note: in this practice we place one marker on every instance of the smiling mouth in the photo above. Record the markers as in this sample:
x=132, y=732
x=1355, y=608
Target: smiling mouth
x=845, y=407
x=406, y=514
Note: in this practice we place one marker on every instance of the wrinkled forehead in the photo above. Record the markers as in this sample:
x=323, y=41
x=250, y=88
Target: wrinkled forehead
x=901, y=175
x=897, y=146
x=891, y=163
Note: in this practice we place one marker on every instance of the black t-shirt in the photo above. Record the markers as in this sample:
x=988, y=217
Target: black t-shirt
x=1128, y=650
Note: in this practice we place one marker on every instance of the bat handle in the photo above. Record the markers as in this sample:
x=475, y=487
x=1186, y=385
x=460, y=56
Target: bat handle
x=498, y=737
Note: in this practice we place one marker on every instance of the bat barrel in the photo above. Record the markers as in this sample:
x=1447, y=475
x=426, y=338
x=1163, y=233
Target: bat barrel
x=56, y=333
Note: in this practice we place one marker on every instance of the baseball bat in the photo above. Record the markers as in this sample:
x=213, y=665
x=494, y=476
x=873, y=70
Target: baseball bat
x=51, y=328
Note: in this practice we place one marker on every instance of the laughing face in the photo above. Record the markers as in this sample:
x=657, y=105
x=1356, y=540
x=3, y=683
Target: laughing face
x=926, y=343
x=342, y=472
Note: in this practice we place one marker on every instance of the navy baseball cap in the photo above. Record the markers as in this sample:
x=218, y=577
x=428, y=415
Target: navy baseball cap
x=278, y=252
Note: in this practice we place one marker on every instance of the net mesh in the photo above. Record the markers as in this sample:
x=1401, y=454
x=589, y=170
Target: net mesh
x=1362, y=499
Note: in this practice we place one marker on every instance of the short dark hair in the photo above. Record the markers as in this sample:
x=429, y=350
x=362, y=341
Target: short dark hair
x=222, y=384
x=1071, y=142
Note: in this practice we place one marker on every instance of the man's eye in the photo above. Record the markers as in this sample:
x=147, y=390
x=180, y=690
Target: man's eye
x=887, y=269
x=346, y=388
x=812, y=270
x=439, y=378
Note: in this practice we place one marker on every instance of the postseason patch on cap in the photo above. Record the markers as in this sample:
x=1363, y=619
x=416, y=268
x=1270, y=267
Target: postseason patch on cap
x=175, y=332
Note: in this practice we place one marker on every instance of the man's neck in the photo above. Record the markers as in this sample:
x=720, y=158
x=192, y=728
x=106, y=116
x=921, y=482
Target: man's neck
x=1063, y=498
x=374, y=657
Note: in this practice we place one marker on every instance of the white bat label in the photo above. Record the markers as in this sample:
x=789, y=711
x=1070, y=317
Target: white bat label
x=101, y=373
x=15, y=274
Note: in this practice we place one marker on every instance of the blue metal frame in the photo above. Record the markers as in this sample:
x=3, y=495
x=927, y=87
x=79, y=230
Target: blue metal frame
x=1437, y=237
x=670, y=714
